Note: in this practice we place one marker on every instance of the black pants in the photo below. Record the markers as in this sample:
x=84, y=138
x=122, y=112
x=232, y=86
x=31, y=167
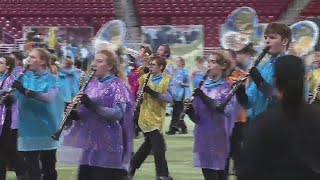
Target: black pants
x=236, y=143
x=99, y=173
x=153, y=140
x=211, y=174
x=176, y=123
x=41, y=164
x=8, y=150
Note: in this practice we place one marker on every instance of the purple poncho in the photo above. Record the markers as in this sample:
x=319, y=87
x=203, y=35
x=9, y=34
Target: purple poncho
x=212, y=132
x=93, y=142
x=14, y=108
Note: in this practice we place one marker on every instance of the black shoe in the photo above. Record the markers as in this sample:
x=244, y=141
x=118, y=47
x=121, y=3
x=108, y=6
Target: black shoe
x=183, y=131
x=131, y=173
x=23, y=177
x=171, y=132
x=164, y=178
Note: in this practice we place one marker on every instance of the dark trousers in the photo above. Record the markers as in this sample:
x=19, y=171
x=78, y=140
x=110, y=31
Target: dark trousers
x=99, y=173
x=176, y=123
x=8, y=150
x=236, y=143
x=211, y=174
x=41, y=164
x=153, y=140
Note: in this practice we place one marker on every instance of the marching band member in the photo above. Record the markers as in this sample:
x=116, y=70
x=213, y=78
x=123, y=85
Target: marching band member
x=40, y=106
x=54, y=69
x=18, y=59
x=243, y=58
x=164, y=51
x=180, y=92
x=213, y=129
x=158, y=92
x=260, y=89
x=100, y=140
x=9, y=124
x=198, y=72
x=314, y=85
x=69, y=80
x=283, y=142
x=137, y=71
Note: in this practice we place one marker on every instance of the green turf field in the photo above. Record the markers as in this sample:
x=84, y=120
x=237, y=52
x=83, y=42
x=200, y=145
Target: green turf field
x=179, y=156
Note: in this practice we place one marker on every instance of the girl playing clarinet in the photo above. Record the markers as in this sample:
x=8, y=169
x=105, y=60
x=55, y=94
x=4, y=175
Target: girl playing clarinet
x=213, y=128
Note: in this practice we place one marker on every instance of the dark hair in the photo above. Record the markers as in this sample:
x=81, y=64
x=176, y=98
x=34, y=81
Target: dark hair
x=160, y=61
x=248, y=49
x=147, y=49
x=281, y=29
x=78, y=64
x=167, y=51
x=9, y=62
x=18, y=55
x=290, y=74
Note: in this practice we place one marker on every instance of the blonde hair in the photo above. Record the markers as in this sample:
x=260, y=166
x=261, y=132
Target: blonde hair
x=113, y=60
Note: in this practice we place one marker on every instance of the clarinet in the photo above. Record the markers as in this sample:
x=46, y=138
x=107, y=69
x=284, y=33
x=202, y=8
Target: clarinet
x=239, y=82
x=67, y=112
x=19, y=78
x=189, y=101
x=140, y=97
x=315, y=93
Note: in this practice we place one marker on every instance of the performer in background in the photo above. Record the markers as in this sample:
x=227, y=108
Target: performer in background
x=157, y=93
x=139, y=67
x=54, y=69
x=181, y=90
x=164, y=51
x=314, y=86
x=100, y=139
x=69, y=80
x=283, y=142
x=9, y=124
x=40, y=106
x=260, y=89
x=243, y=59
x=213, y=129
x=198, y=72
x=18, y=59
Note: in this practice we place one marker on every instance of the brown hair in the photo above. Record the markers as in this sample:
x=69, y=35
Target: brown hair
x=167, y=51
x=44, y=55
x=17, y=55
x=247, y=50
x=160, y=61
x=9, y=62
x=113, y=60
x=147, y=49
x=199, y=58
x=281, y=29
x=223, y=60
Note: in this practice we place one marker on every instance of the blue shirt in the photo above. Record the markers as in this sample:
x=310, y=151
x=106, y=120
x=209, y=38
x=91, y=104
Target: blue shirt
x=257, y=101
x=180, y=92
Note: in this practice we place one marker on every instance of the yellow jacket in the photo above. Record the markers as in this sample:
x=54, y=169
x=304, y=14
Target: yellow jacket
x=153, y=111
x=314, y=79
